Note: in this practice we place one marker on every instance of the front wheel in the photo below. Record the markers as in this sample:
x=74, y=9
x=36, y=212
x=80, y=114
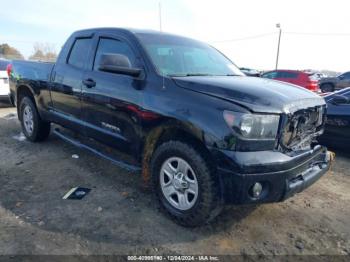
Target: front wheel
x=34, y=128
x=185, y=184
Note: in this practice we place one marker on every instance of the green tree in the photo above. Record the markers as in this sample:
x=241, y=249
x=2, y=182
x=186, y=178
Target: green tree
x=6, y=51
x=43, y=52
x=37, y=55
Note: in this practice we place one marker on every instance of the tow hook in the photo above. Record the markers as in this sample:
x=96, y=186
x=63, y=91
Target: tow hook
x=330, y=158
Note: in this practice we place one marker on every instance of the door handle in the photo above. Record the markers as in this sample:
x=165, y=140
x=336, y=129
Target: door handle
x=89, y=83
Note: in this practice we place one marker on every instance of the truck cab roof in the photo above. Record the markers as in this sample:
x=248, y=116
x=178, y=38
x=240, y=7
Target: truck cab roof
x=121, y=30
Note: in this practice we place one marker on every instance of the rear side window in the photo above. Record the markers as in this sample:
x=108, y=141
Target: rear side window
x=79, y=52
x=270, y=75
x=113, y=46
x=284, y=74
x=3, y=65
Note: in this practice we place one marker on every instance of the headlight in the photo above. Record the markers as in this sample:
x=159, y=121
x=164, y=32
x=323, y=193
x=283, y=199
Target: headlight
x=253, y=126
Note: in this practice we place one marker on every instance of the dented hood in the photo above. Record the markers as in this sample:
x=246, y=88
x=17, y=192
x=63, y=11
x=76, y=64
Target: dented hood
x=257, y=94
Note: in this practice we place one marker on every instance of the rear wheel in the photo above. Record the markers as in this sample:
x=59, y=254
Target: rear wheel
x=327, y=88
x=185, y=184
x=34, y=128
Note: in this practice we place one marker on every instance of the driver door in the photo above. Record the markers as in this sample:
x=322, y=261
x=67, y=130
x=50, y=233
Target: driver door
x=110, y=100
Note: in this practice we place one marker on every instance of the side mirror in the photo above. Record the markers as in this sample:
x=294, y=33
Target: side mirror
x=341, y=77
x=119, y=64
x=339, y=100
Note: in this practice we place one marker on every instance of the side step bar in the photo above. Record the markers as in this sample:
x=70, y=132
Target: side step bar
x=115, y=161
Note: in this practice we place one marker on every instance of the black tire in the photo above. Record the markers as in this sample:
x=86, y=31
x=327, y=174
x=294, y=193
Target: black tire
x=41, y=129
x=12, y=102
x=327, y=88
x=208, y=203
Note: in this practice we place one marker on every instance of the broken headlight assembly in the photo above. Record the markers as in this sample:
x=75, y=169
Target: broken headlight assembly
x=255, y=131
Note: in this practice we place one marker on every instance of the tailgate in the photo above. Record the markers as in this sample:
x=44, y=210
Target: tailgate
x=4, y=83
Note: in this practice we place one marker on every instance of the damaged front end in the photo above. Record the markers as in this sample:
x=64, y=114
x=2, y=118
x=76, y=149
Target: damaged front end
x=300, y=128
x=296, y=163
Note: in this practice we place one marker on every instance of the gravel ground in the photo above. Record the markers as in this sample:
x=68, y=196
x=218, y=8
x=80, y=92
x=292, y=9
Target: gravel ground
x=119, y=216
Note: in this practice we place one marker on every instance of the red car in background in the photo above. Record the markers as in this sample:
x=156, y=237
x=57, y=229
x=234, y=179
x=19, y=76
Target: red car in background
x=300, y=78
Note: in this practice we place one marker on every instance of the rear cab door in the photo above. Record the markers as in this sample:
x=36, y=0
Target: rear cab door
x=66, y=81
x=111, y=105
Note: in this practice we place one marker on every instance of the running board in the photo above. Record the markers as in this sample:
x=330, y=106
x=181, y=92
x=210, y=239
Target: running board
x=79, y=144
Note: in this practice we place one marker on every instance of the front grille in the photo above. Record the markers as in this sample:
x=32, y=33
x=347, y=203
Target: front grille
x=302, y=127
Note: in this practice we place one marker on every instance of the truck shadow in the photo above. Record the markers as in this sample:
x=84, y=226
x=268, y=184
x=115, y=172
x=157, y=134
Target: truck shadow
x=343, y=152
x=5, y=104
x=118, y=210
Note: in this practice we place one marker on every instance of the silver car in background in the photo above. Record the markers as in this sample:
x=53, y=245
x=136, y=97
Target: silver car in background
x=4, y=80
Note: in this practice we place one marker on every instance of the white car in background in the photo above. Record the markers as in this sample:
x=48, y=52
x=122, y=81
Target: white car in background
x=4, y=81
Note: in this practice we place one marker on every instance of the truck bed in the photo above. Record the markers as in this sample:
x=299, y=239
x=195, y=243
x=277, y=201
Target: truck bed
x=35, y=75
x=32, y=70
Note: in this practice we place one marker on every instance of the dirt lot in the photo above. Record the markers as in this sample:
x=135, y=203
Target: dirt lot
x=120, y=217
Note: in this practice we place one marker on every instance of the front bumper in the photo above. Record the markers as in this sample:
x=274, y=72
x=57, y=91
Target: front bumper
x=281, y=176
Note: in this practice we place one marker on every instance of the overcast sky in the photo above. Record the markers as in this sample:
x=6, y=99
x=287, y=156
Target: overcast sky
x=315, y=34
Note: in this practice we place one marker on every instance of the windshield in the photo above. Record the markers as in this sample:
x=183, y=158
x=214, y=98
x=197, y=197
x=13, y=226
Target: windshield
x=180, y=56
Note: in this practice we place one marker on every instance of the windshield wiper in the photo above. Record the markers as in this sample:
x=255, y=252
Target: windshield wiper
x=199, y=74
x=190, y=74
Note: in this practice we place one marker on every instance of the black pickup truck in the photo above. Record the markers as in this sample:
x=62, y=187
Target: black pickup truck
x=201, y=132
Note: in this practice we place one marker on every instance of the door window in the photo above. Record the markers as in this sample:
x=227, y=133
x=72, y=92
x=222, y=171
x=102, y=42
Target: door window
x=78, y=54
x=113, y=46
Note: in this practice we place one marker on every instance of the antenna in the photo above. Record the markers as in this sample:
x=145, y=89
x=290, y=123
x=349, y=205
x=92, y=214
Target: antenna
x=160, y=29
x=160, y=16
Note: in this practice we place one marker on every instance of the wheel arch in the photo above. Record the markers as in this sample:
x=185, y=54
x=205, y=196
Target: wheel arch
x=171, y=130
x=24, y=91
